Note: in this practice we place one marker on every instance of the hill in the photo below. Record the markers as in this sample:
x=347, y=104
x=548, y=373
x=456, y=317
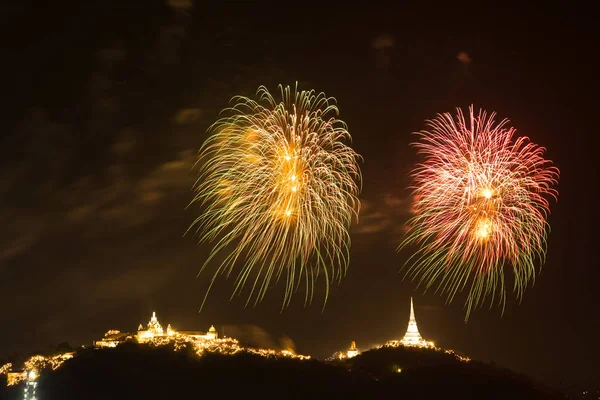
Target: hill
x=136, y=371
x=435, y=374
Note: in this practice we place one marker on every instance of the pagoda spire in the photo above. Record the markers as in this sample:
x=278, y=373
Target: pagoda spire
x=412, y=335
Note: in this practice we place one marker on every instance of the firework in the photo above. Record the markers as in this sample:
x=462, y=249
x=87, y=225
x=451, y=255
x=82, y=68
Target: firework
x=278, y=187
x=481, y=203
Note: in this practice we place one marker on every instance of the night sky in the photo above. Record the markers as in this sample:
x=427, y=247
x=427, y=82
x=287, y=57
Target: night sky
x=106, y=106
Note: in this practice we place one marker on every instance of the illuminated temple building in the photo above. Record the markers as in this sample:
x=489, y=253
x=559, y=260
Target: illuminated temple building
x=342, y=355
x=352, y=351
x=412, y=337
x=201, y=342
x=154, y=331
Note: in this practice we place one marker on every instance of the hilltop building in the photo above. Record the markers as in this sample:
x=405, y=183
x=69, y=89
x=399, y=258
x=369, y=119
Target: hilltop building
x=342, y=355
x=412, y=337
x=153, y=331
x=352, y=351
x=154, y=335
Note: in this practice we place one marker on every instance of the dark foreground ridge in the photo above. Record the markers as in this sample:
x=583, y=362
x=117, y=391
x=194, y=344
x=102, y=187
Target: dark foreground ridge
x=135, y=371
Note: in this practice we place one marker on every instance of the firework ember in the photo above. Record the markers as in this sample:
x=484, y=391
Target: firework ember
x=278, y=187
x=481, y=204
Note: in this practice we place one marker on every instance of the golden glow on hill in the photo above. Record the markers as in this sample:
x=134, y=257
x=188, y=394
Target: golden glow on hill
x=202, y=342
x=32, y=366
x=412, y=338
x=153, y=335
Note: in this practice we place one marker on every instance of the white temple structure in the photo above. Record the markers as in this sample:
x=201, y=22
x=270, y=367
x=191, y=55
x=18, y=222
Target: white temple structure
x=342, y=355
x=412, y=337
x=352, y=351
x=155, y=330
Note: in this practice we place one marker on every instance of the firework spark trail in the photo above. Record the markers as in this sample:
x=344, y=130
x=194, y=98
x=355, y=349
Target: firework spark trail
x=481, y=202
x=279, y=189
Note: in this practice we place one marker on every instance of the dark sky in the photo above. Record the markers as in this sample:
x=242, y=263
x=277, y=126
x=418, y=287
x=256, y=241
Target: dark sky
x=106, y=106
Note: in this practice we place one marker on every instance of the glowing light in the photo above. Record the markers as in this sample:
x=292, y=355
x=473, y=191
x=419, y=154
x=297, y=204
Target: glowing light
x=29, y=392
x=199, y=342
x=484, y=228
x=288, y=212
x=34, y=365
x=481, y=203
x=430, y=345
x=352, y=351
x=5, y=369
x=14, y=378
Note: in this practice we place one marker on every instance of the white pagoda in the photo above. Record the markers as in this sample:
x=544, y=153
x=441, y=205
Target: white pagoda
x=412, y=337
x=352, y=351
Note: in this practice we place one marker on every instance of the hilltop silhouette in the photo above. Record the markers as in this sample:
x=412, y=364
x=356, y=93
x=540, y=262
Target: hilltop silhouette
x=137, y=371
